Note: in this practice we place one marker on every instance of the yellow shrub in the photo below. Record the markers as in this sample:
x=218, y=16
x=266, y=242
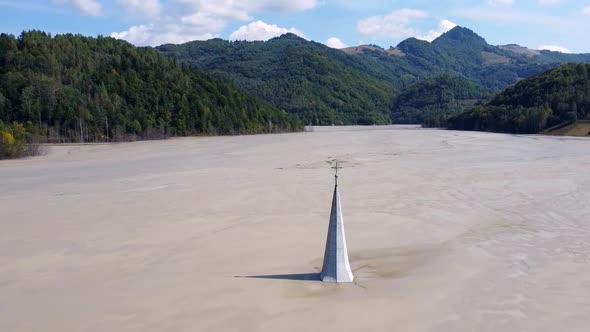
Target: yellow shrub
x=7, y=138
x=13, y=141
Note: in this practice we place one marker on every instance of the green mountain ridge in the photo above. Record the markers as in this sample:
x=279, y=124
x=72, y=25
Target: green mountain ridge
x=358, y=85
x=556, y=98
x=462, y=52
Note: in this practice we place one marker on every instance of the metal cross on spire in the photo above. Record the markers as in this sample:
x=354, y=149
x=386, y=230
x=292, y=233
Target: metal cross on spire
x=336, y=168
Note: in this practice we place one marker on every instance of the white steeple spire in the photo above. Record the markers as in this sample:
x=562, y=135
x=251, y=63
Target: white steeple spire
x=336, y=267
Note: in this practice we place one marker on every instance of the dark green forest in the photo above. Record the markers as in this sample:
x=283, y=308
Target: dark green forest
x=430, y=100
x=559, y=96
x=75, y=88
x=318, y=84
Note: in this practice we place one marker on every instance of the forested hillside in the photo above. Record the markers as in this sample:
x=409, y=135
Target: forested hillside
x=558, y=97
x=431, y=100
x=318, y=84
x=357, y=85
x=73, y=88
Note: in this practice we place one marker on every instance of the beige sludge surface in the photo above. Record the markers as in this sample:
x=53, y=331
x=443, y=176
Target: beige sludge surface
x=446, y=231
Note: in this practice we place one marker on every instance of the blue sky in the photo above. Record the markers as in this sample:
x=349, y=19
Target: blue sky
x=552, y=24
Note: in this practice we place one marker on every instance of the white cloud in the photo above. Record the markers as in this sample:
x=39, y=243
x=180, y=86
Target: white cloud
x=443, y=26
x=139, y=34
x=203, y=21
x=586, y=10
x=222, y=9
x=554, y=48
x=90, y=7
x=548, y=2
x=394, y=25
x=157, y=34
x=147, y=8
x=501, y=2
x=186, y=20
x=259, y=30
x=335, y=43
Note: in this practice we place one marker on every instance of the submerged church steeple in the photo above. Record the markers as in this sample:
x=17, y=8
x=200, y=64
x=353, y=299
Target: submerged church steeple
x=336, y=267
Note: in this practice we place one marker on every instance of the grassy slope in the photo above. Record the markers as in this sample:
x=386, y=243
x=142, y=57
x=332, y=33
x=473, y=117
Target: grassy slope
x=578, y=128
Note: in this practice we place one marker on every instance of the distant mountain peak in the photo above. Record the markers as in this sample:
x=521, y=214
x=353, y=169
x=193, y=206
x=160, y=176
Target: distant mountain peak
x=411, y=41
x=460, y=34
x=289, y=36
x=415, y=46
x=415, y=40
